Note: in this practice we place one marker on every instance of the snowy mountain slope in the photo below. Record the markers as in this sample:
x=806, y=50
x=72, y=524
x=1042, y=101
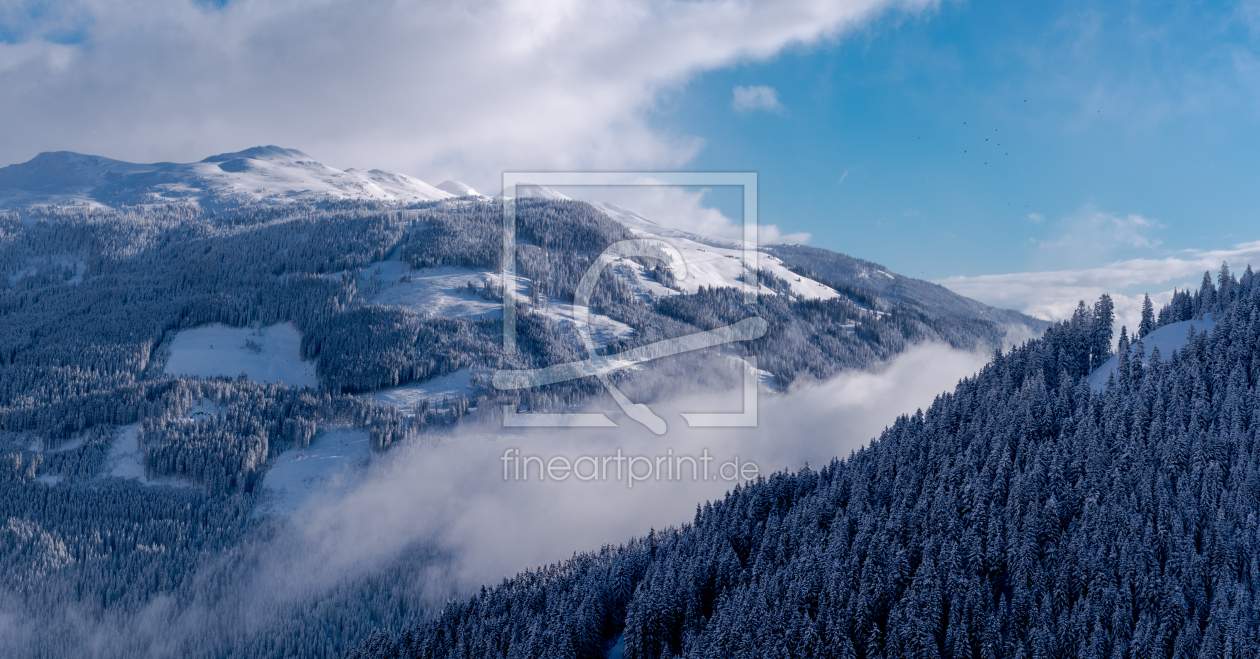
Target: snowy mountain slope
x=458, y=189
x=636, y=221
x=264, y=173
x=540, y=192
x=343, y=289
x=440, y=292
x=849, y=271
x=443, y=292
x=712, y=261
x=1168, y=338
x=332, y=463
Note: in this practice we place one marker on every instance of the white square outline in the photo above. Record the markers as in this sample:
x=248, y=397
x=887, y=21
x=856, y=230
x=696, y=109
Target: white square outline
x=747, y=181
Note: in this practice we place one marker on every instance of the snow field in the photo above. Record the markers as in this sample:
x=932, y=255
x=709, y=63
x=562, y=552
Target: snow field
x=267, y=355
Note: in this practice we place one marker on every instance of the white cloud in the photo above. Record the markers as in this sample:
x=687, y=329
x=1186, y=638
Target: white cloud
x=756, y=98
x=455, y=491
x=438, y=90
x=1054, y=294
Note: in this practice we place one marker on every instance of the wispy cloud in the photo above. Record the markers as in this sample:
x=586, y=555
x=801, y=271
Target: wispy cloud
x=455, y=490
x=1054, y=294
x=433, y=520
x=758, y=98
x=1091, y=235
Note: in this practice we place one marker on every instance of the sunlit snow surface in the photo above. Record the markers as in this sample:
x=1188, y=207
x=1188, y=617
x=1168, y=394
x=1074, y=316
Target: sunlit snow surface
x=1167, y=338
x=262, y=173
x=406, y=396
x=331, y=464
x=713, y=261
x=440, y=292
x=271, y=355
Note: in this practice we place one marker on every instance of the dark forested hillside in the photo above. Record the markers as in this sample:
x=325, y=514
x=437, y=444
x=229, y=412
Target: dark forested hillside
x=92, y=301
x=1021, y=515
x=842, y=270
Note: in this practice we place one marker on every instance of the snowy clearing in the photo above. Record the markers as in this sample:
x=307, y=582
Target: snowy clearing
x=331, y=464
x=405, y=397
x=437, y=292
x=269, y=355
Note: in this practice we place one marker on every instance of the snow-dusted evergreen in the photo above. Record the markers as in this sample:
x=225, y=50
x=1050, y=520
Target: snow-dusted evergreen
x=1022, y=515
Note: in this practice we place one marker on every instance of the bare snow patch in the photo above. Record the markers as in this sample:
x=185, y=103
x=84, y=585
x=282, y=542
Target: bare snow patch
x=330, y=465
x=713, y=261
x=267, y=355
x=126, y=460
x=405, y=397
x=203, y=410
x=441, y=292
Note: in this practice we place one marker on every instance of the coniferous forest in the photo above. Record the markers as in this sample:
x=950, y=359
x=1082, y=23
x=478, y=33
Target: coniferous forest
x=1024, y=514
x=542, y=349
x=93, y=299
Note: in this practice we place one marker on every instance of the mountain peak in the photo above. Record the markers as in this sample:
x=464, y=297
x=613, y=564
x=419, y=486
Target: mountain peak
x=458, y=189
x=269, y=152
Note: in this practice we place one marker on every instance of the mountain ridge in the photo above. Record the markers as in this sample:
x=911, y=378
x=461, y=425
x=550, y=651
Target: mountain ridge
x=275, y=174
x=257, y=174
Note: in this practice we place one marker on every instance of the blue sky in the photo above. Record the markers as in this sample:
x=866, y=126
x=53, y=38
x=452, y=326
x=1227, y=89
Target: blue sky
x=971, y=139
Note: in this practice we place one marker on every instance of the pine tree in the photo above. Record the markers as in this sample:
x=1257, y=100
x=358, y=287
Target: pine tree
x=1148, y=318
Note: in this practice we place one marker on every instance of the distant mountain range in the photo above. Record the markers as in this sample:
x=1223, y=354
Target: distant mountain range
x=262, y=173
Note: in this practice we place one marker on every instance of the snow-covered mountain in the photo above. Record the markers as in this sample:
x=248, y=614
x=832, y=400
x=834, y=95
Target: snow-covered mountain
x=263, y=173
x=458, y=189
